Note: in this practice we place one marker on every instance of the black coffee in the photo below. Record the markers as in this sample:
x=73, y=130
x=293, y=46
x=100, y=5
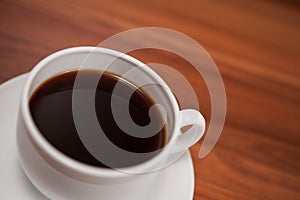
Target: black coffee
x=51, y=109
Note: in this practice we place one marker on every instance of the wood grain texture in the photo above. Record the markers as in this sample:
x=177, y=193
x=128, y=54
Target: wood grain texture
x=255, y=45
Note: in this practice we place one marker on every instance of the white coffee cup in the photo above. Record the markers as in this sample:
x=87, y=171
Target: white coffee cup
x=61, y=177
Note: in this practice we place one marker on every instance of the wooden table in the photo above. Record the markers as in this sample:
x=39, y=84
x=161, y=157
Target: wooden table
x=255, y=45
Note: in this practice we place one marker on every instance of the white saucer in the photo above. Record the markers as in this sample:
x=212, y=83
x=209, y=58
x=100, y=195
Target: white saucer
x=175, y=182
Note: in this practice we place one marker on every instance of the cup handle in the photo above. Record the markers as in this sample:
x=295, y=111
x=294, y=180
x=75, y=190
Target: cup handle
x=188, y=138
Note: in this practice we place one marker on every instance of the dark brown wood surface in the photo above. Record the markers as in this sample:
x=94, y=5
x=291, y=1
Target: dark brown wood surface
x=255, y=45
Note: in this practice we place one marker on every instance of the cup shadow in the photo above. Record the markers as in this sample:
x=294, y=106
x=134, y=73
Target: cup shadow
x=27, y=185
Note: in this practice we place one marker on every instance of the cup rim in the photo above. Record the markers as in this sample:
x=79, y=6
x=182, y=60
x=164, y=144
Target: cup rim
x=45, y=148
